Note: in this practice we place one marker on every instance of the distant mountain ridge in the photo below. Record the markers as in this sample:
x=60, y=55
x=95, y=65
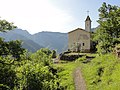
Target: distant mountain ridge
x=51, y=40
x=19, y=34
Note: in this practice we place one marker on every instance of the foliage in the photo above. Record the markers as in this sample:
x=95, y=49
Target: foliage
x=117, y=46
x=108, y=33
x=33, y=72
x=102, y=73
x=37, y=73
x=13, y=48
x=20, y=70
x=6, y=26
x=7, y=74
x=53, y=54
x=29, y=71
x=46, y=51
x=82, y=59
x=3, y=47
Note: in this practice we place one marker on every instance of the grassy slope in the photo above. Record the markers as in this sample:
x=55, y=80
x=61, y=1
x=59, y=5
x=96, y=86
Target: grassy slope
x=102, y=73
x=66, y=74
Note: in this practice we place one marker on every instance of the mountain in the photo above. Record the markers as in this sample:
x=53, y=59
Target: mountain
x=19, y=34
x=52, y=40
x=31, y=45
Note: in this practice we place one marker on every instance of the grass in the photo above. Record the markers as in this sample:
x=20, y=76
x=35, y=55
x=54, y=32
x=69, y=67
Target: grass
x=66, y=74
x=66, y=69
x=102, y=73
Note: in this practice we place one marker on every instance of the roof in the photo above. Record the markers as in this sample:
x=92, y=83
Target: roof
x=77, y=29
x=88, y=18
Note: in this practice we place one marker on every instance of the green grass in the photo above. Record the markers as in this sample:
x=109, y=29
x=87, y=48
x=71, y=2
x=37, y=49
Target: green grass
x=66, y=74
x=102, y=73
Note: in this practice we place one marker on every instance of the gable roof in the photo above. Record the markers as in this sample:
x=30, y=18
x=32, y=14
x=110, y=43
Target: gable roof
x=77, y=30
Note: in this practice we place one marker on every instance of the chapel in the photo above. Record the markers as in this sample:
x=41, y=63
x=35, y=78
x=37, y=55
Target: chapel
x=79, y=39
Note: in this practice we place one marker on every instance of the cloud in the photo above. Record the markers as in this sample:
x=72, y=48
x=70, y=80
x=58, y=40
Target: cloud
x=35, y=15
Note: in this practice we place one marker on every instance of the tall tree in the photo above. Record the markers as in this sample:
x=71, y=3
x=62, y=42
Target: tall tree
x=108, y=33
x=13, y=48
x=7, y=72
x=4, y=27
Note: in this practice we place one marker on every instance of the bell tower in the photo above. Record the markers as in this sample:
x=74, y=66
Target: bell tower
x=88, y=24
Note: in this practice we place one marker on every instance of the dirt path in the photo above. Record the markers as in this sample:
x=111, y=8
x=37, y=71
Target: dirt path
x=78, y=80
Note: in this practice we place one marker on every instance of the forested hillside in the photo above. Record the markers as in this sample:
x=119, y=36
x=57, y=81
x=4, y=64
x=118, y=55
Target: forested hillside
x=51, y=40
x=23, y=36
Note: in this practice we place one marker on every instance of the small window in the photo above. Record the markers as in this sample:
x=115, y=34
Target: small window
x=83, y=44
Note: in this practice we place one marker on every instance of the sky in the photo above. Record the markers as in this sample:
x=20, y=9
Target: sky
x=51, y=15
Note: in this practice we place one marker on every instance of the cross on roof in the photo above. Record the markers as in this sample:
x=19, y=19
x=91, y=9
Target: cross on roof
x=88, y=13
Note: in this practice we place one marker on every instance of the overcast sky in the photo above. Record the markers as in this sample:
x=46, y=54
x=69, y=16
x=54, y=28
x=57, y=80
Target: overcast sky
x=51, y=15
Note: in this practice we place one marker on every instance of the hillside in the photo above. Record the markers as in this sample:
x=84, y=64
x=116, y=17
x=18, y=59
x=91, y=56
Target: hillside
x=22, y=35
x=103, y=72
x=51, y=40
x=31, y=45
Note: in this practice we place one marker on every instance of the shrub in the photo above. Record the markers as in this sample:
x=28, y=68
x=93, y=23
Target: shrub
x=82, y=59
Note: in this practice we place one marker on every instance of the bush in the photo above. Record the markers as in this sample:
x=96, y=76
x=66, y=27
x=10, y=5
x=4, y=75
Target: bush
x=7, y=74
x=37, y=73
x=34, y=72
x=82, y=59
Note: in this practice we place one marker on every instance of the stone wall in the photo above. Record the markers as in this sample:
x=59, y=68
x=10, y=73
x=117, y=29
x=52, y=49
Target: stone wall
x=69, y=57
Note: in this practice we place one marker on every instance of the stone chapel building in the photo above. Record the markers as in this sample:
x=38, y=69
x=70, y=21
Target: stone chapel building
x=79, y=39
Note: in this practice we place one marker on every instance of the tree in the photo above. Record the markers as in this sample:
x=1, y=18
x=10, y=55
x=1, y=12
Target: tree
x=7, y=73
x=6, y=26
x=15, y=49
x=46, y=51
x=43, y=55
x=3, y=47
x=108, y=33
x=38, y=73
